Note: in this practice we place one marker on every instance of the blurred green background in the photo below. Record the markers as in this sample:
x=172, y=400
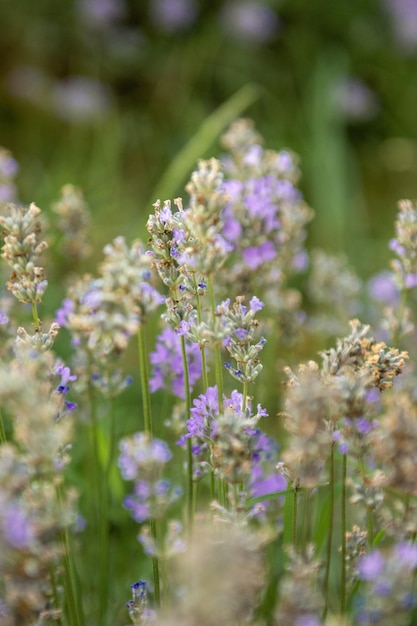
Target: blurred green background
x=105, y=94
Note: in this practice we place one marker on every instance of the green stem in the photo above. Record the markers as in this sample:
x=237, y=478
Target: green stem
x=144, y=379
x=155, y=566
x=330, y=534
x=306, y=520
x=147, y=416
x=369, y=512
x=3, y=437
x=294, y=516
x=344, y=529
x=217, y=348
x=202, y=349
x=245, y=396
x=190, y=489
x=36, y=320
x=73, y=602
x=72, y=598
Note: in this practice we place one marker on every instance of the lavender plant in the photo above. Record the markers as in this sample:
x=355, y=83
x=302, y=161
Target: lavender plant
x=230, y=514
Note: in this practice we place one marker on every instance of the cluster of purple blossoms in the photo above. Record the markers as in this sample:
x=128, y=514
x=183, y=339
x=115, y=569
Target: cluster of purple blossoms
x=225, y=439
x=266, y=216
x=168, y=366
x=143, y=461
x=388, y=590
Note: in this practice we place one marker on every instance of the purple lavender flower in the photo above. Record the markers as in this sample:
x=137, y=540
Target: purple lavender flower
x=62, y=314
x=203, y=415
x=383, y=288
x=17, y=529
x=9, y=167
x=410, y=281
x=139, y=454
x=66, y=377
x=167, y=361
x=262, y=485
x=371, y=565
x=255, y=256
x=406, y=553
x=256, y=304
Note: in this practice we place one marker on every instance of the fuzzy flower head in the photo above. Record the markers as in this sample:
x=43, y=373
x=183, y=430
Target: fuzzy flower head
x=207, y=597
x=240, y=341
x=265, y=217
x=404, y=245
x=189, y=242
x=388, y=592
x=226, y=439
x=74, y=219
x=103, y=313
x=300, y=602
x=143, y=461
x=307, y=407
x=21, y=251
x=394, y=443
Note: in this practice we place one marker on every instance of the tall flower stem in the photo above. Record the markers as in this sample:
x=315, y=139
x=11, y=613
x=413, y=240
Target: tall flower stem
x=190, y=489
x=3, y=437
x=100, y=498
x=155, y=565
x=147, y=416
x=36, y=320
x=330, y=533
x=217, y=348
x=294, y=516
x=144, y=379
x=72, y=595
x=202, y=348
x=369, y=512
x=343, y=511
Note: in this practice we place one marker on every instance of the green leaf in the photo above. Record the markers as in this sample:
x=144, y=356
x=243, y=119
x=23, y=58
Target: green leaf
x=205, y=136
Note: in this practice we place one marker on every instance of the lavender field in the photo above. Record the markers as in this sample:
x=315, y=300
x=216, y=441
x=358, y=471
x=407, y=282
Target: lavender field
x=208, y=410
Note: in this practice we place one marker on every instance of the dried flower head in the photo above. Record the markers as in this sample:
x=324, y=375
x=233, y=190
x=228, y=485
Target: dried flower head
x=21, y=250
x=218, y=578
x=73, y=223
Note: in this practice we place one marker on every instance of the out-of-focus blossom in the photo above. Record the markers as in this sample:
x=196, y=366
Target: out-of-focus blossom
x=354, y=100
x=383, y=288
x=9, y=168
x=404, y=22
x=250, y=21
x=173, y=15
x=81, y=99
x=101, y=13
